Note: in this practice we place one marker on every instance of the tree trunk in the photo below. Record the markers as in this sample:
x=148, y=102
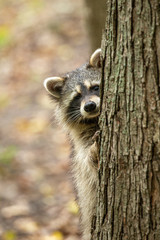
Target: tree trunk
x=128, y=202
x=95, y=18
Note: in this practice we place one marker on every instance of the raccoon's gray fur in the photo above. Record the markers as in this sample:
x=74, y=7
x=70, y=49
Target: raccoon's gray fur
x=78, y=104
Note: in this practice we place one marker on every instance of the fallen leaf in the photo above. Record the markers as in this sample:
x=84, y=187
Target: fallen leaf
x=4, y=100
x=57, y=236
x=36, y=4
x=5, y=35
x=9, y=235
x=54, y=236
x=7, y=155
x=73, y=207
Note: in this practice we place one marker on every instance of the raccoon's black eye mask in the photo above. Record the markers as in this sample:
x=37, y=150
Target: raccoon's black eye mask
x=95, y=88
x=78, y=96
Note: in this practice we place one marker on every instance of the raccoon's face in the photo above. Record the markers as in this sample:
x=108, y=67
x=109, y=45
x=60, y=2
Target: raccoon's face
x=83, y=104
x=78, y=92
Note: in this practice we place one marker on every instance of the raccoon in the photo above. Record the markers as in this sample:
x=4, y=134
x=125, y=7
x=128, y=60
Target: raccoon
x=77, y=109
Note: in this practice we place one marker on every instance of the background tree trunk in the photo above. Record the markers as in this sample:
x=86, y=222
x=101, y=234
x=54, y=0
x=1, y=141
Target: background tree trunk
x=128, y=205
x=95, y=18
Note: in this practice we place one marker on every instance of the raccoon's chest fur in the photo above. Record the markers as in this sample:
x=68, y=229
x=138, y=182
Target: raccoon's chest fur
x=85, y=177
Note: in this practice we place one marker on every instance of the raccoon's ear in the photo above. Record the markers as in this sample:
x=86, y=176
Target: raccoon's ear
x=54, y=86
x=95, y=60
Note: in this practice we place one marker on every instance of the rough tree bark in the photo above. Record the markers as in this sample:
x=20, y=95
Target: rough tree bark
x=128, y=204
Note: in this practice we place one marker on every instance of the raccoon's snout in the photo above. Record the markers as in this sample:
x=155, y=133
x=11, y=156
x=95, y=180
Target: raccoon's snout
x=90, y=106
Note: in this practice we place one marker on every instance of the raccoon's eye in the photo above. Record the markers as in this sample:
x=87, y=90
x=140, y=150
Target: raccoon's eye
x=78, y=96
x=95, y=88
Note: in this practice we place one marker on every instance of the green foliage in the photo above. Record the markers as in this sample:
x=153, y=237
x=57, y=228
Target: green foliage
x=9, y=235
x=5, y=36
x=36, y=3
x=7, y=155
x=4, y=100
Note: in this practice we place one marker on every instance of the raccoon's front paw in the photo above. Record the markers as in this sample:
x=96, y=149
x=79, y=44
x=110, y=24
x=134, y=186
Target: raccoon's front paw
x=96, y=136
x=94, y=154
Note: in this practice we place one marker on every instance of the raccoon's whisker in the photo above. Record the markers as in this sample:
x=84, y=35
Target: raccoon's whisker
x=73, y=117
x=73, y=112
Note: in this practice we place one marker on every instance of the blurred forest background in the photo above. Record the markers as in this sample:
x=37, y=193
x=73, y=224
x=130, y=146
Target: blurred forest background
x=38, y=39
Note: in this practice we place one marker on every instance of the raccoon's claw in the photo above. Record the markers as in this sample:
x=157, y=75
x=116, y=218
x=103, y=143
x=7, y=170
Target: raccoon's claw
x=94, y=154
x=94, y=149
x=96, y=136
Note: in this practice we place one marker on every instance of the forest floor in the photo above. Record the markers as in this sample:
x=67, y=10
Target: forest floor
x=38, y=39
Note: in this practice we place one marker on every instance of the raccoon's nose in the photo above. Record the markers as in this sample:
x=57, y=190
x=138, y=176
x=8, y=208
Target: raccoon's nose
x=90, y=106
